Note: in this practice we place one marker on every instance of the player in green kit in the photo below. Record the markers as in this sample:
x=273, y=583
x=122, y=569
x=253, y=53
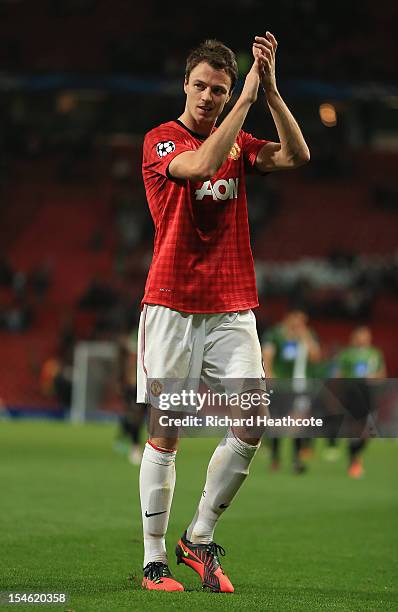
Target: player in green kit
x=289, y=350
x=360, y=360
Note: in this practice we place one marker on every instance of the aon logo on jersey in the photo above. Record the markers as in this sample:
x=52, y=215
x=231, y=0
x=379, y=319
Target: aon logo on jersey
x=221, y=190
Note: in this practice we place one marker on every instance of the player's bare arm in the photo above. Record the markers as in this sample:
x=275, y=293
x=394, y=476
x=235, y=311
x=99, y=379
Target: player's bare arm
x=268, y=354
x=203, y=163
x=292, y=150
x=312, y=345
x=314, y=350
x=381, y=373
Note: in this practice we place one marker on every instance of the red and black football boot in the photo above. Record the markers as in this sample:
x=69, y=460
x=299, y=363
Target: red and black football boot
x=157, y=577
x=203, y=558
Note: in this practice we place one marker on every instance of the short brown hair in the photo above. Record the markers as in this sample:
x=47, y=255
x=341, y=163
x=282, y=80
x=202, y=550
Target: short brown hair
x=217, y=55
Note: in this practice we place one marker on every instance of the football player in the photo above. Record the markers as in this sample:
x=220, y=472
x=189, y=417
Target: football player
x=197, y=319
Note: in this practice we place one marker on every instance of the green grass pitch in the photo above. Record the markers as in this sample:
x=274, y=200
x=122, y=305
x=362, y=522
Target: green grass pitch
x=70, y=522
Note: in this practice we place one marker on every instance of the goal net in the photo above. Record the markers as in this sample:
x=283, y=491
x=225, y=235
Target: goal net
x=94, y=381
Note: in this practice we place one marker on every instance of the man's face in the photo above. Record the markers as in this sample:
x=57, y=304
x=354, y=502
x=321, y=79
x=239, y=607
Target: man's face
x=296, y=323
x=361, y=337
x=207, y=90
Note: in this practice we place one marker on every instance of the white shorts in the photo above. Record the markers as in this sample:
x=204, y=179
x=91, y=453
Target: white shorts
x=183, y=349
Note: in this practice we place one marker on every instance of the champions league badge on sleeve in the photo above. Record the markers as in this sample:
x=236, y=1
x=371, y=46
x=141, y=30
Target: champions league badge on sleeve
x=165, y=147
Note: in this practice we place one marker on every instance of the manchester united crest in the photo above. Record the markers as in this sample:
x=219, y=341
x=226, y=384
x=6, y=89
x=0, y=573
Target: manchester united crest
x=156, y=388
x=234, y=152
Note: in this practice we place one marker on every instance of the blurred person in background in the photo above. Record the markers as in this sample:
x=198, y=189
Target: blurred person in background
x=133, y=419
x=56, y=373
x=362, y=361
x=197, y=319
x=289, y=349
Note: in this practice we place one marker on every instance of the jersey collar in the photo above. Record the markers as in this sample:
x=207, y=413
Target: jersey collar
x=194, y=134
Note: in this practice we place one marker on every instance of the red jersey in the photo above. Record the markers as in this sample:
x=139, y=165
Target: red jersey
x=202, y=260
